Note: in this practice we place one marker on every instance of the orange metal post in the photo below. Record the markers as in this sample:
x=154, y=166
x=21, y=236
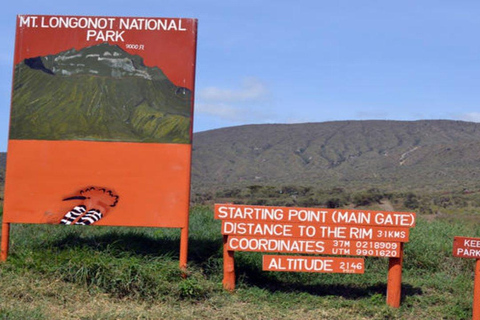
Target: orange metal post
x=228, y=267
x=5, y=241
x=394, y=281
x=183, y=248
x=476, y=292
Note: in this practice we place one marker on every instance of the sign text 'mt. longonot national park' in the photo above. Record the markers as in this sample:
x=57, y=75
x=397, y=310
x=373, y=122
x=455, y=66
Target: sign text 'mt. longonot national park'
x=104, y=28
x=101, y=121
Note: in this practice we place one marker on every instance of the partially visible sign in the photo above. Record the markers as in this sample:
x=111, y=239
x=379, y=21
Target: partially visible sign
x=464, y=247
x=313, y=264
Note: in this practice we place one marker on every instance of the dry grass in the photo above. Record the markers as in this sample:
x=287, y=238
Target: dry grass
x=100, y=273
x=28, y=297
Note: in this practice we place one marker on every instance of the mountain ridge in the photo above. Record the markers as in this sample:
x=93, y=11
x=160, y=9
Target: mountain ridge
x=426, y=154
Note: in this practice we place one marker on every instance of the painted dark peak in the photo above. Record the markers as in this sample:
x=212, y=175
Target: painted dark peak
x=37, y=64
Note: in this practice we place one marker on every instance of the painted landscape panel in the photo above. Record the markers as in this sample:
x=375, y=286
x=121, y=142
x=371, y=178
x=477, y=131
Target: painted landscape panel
x=101, y=121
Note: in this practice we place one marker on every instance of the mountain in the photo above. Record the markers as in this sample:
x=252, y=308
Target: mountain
x=431, y=155
x=97, y=93
x=3, y=158
x=3, y=161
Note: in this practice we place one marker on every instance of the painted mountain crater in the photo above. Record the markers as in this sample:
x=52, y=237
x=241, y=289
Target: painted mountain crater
x=98, y=93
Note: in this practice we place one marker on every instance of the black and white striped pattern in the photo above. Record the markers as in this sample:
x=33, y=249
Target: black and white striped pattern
x=92, y=216
x=73, y=214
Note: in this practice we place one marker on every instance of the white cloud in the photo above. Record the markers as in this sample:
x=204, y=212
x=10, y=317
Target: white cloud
x=220, y=110
x=297, y=119
x=470, y=116
x=371, y=114
x=251, y=89
x=246, y=103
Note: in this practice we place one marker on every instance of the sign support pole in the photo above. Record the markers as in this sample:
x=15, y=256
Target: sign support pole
x=476, y=292
x=228, y=267
x=183, y=248
x=5, y=241
x=394, y=281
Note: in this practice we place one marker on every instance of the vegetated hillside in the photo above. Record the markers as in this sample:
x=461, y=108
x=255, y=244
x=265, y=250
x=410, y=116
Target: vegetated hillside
x=97, y=93
x=3, y=159
x=428, y=155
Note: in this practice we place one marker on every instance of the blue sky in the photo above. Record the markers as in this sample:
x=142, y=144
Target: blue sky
x=306, y=61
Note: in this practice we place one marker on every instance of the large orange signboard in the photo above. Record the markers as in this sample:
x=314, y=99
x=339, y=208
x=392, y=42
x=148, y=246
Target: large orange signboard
x=101, y=121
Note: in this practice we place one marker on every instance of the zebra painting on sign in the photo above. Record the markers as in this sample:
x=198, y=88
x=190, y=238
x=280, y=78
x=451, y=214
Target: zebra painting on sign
x=95, y=204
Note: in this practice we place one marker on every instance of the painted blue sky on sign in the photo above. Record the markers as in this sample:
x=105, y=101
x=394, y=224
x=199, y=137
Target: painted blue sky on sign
x=306, y=61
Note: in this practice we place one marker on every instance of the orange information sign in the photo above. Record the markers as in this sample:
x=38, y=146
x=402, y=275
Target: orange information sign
x=313, y=264
x=464, y=247
x=319, y=231
x=314, y=246
x=101, y=122
x=314, y=215
x=314, y=231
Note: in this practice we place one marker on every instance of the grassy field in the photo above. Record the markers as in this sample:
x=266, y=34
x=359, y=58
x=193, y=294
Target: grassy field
x=58, y=272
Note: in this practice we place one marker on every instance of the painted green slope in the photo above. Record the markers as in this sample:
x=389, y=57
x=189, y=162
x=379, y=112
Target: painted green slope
x=90, y=107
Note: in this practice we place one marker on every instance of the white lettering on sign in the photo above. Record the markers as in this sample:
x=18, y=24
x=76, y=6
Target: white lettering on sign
x=249, y=213
x=257, y=229
x=313, y=264
x=313, y=246
x=340, y=251
x=394, y=219
x=275, y=245
x=314, y=215
x=55, y=22
x=105, y=29
x=276, y=264
x=151, y=24
x=299, y=264
x=352, y=217
x=314, y=231
x=473, y=253
x=333, y=232
x=305, y=215
x=379, y=218
x=471, y=243
x=391, y=234
x=28, y=21
x=107, y=35
x=361, y=233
